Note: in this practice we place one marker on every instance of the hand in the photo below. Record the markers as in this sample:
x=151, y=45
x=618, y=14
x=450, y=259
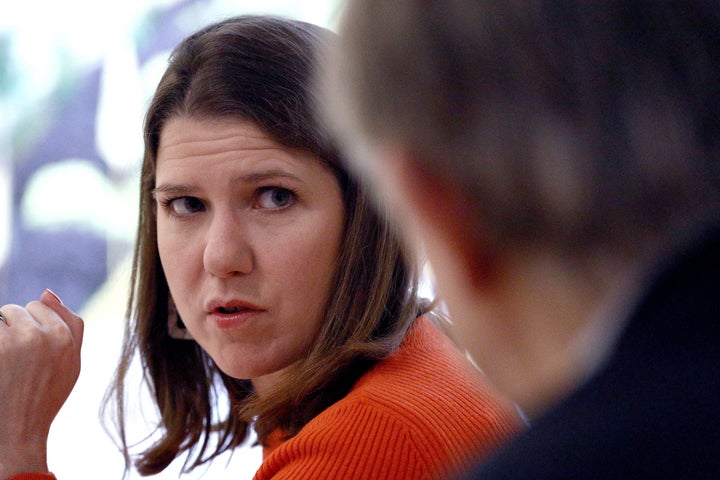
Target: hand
x=39, y=365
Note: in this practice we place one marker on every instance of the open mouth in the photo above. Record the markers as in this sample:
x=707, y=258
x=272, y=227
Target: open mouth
x=230, y=309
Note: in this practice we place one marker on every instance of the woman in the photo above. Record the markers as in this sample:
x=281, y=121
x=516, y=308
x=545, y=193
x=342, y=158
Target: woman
x=281, y=285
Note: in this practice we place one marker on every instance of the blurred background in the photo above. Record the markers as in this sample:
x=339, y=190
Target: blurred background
x=75, y=79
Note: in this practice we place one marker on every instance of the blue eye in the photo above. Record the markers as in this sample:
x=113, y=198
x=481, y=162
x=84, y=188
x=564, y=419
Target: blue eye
x=274, y=198
x=182, y=206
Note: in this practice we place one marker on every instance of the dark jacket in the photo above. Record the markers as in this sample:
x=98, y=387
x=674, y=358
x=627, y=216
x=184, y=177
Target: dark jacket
x=653, y=410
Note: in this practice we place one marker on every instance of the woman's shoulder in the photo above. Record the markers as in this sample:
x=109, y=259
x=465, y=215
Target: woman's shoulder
x=429, y=371
x=430, y=386
x=423, y=412
x=427, y=401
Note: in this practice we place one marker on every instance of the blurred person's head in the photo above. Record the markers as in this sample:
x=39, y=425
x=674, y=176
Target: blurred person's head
x=286, y=280
x=546, y=153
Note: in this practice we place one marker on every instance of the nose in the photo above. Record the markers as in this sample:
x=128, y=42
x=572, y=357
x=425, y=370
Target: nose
x=227, y=247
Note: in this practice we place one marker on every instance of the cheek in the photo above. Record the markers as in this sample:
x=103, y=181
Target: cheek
x=306, y=265
x=166, y=249
x=176, y=257
x=310, y=263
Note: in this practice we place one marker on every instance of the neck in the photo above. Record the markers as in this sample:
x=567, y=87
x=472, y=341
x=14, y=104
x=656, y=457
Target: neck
x=564, y=320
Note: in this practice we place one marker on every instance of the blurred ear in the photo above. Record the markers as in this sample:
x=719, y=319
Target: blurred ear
x=442, y=216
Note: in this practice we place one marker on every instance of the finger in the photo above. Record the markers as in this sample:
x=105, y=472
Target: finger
x=15, y=317
x=56, y=334
x=3, y=318
x=73, y=321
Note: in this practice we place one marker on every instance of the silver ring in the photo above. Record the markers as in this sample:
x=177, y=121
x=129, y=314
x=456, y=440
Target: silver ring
x=2, y=318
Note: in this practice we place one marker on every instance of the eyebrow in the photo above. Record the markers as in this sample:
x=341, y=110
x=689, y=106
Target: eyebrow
x=252, y=177
x=255, y=177
x=173, y=190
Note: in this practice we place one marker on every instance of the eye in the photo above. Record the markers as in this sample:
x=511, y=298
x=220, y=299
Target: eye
x=183, y=206
x=275, y=198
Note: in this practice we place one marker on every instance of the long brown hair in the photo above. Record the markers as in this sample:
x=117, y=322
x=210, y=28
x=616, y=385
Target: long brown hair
x=257, y=68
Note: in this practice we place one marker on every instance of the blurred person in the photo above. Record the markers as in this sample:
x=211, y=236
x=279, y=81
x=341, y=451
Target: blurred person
x=559, y=162
x=264, y=274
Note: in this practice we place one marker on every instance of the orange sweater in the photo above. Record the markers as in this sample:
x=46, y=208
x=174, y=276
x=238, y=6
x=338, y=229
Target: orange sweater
x=424, y=413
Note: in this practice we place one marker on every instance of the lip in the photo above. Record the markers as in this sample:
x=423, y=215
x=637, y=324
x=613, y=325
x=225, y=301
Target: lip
x=232, y=314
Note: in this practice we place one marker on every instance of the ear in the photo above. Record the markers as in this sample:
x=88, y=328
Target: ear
x=443, y=215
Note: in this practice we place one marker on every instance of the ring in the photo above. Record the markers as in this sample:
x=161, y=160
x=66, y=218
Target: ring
x=2, y=318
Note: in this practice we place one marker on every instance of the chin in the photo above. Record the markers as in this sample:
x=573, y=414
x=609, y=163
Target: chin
x=241, y=368
x=247, y=372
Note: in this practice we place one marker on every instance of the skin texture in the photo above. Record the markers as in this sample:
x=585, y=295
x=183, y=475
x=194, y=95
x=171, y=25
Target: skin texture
x=40, y=352
x=246, y=222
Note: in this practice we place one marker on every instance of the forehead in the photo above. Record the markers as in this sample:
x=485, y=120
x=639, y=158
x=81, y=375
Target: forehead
x=188, y=135
x=198, y=143
x=231, y=152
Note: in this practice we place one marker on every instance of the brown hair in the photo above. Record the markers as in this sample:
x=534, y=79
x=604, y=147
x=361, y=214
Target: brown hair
x=257, y=68
x=577, y=126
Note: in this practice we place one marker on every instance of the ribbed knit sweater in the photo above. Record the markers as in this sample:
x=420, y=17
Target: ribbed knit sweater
x=424, y=413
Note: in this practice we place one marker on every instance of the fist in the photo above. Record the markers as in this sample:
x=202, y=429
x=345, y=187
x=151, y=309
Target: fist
x=39, y=365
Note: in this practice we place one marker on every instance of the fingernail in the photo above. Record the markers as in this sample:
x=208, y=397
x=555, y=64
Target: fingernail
x=54, y=296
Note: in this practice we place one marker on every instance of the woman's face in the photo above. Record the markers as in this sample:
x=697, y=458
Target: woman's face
x=248, y=233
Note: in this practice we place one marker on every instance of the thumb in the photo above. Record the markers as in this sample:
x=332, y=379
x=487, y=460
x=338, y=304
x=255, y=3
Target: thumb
x=73, y=321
